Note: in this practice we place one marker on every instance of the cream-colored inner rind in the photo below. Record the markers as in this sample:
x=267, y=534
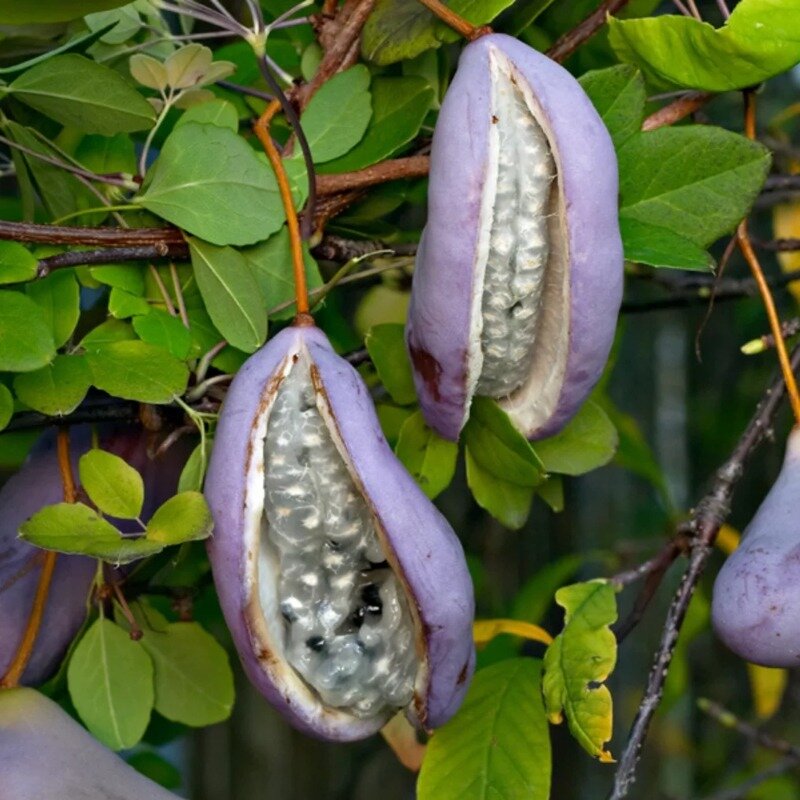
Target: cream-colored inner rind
x=519, y=241
x=345, y=626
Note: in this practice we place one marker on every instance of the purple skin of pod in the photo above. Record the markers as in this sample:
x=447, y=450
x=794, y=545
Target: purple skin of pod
x=425, y=559
x=37, y=484
x=478, y=161
x=45, y=754
x=755, y=608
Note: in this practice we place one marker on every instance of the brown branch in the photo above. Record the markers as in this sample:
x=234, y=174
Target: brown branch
x=703, y=526
x=101, y=237
x=674, y=112
x=110, y=255
x=391, y=170
x=779, y=245
x=335, y=248
x=572, y=40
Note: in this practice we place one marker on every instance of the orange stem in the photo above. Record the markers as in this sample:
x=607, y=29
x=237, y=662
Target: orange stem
x=766, y=295
x=456, y=22
x=261, y=129
x=24, y=652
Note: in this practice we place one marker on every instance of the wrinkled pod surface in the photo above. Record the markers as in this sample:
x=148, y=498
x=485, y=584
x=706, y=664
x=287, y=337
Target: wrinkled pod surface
x=37, y=484
x=345, y=590
x=46, y=755
x=518, y=278
x=755, y=608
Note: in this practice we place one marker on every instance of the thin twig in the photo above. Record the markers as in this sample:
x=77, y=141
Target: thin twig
x=677, y=110
x=461, y=26
x=390, y=170
x=572, y=40
x=110, y=255
x=703, y=526
x=162, y=290
x=104, y=236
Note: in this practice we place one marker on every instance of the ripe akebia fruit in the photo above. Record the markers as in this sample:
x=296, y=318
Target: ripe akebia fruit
x=756, y=602
x=518, y=278
x=36, y=484
x=345, y=589
x=46, y=755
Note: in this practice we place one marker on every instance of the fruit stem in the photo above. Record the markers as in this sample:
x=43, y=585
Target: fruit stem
x=456, y=22
x=261, y=129
x=746, y=247
x=21, y=658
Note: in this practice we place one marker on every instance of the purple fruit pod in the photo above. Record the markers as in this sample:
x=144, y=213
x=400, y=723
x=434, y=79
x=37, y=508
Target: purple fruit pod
x=345, y=590
x=518, y=278
x=755, y=608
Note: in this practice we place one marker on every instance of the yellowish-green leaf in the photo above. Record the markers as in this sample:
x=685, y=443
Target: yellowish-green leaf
x=579, y=661
x=767, y=685
x=113, y=485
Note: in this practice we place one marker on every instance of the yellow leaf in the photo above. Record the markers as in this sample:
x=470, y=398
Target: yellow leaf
x=485, y=630
x=767, y=685
x=786, y=225
x=728, y=539
x=401, y=736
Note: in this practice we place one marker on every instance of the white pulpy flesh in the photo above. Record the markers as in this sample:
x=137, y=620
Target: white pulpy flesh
x=347, y=629
x=517, y=198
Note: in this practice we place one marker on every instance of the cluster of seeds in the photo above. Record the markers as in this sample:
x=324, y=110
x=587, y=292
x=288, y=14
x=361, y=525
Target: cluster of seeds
x=348, y=630
x=518, y=241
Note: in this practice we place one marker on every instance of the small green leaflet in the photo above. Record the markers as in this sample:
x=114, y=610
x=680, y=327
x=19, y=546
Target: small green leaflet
x=507, y=502
x=210, y=182
x=83, y=94
x=12, y=12
x=216, y=112
x=761, y=39
x=661, y=247
x=579, y=661
x=123, y=305
x=104, y=154
x=112, y=330
x=428, y=457
x=121, y=276
x=230, y=293
x=76, y=528
x=159, y=328
x=6, y=406
x=619, y=96
x=399, y=106
x=183, y=518
x=17, y=263
x=194, y=470
x=110, y=679
x=57, y=388
x=498, y=744
x=114, y=486
x=338, y=114
x=387, y=349
x=588, y=441
x=551, y=491
x=58, y=295
x=27, y=338
x=136, y=370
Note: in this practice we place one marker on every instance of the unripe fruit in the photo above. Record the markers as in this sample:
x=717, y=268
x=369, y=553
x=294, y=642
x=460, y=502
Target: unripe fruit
x=518, y=278
x=756, y=604
x=345, y=589
x=38, y=483
x=46, y=755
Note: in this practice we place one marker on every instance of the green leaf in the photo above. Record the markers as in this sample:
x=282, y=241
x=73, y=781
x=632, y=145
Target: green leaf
x=112, y=330
x=338, y=114
x=619, y=96
x=230, y=293
x=163, y=330
x=552, y=492
x=499, y=447
x=105, y=154
x=507, y=502
x=588, y=441
x=148, y=71
x=194, y=470
x=27, y=338
x=429, y=458
x=183, y=518
x=76, y=528
x=17, y=263
x=401, y=29
x=83, y=94
x=579, y=661
x=6, y=406
x=216, y=112
x=114, y=486
x=271, y=262
x=399, y=106
x=136, y=370
x=57, y=388
x=13, y=12
x=193, y=679
x=58, y=295
x=210, y=182
x=497, y=747
x=761, y=39
x=121, y=276
x=387, y=349
x=124, y=305
x=660, y=247
x=696, y=181
x=110, y=679
x=157, y=768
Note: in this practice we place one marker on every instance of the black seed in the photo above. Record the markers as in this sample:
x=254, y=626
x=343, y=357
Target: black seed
x=357, y=617
x=377, y=565
x=287, y=612
x=315, y=643
x=371, y=596
x=333, y=545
